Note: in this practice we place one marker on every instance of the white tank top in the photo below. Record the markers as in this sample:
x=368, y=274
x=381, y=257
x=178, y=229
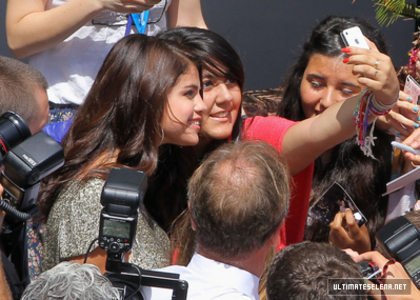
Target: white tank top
x=71, y=66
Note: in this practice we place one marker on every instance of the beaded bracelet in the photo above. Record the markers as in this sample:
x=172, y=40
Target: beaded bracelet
x=368, y=105
x=378, y=108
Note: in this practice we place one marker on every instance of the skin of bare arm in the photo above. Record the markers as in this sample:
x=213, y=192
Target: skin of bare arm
x=4, y=287
x=186, y=13
x=30, y=28
x=308, y=139
x=96, y=257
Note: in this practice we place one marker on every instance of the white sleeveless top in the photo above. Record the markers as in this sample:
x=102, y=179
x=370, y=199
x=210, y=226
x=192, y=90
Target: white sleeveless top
x=71, y=66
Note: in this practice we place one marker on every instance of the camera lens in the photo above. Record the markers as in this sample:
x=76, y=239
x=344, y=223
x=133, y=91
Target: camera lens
x=13, y=131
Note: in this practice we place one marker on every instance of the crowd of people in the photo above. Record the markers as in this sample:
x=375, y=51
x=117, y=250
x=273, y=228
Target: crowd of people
x=229, y=206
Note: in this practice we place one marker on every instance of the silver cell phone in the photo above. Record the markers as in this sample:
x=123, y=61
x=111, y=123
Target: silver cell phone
x=354, y=37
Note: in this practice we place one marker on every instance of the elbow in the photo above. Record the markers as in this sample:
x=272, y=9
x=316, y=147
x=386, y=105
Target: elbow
x=17, y=51
x=18, y=45
x=17, y=54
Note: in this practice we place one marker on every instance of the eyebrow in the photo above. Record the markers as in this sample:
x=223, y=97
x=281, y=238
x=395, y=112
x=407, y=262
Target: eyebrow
x=194, y=86
x=209, y=75
x=215, y=74
x=342, y=82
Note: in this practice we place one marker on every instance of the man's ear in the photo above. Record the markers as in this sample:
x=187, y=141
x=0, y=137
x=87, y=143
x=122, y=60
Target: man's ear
x=275, y=238
x=194, y=227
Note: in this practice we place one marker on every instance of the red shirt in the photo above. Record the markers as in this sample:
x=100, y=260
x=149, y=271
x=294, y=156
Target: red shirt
x=272, y=131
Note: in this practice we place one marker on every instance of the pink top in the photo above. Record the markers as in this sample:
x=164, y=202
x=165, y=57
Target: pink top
x=272, y=131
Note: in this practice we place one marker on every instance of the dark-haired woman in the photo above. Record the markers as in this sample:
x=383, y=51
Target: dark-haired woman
x=146, y=94
x=300, y=143
x=317, y=81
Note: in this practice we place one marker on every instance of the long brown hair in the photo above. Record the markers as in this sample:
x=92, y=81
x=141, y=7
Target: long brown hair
x=118, y=125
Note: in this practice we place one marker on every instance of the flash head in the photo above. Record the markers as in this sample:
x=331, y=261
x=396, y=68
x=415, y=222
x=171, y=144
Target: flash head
x=33, y=159
x=122, y=191
x=24, y=166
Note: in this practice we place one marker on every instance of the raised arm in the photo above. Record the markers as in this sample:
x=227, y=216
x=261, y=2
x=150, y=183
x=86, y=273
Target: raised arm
x=308, y=139
x=31, y=28
x=4, y=287
x=186, y=13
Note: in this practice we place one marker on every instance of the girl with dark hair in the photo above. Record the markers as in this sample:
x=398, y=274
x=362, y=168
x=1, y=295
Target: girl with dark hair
x=300, y=143
x=318, y=80
x=176, y=164
x=146, y=94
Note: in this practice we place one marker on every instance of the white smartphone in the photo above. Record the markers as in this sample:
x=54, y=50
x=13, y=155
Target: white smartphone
x=405, y=147
x=354, y=37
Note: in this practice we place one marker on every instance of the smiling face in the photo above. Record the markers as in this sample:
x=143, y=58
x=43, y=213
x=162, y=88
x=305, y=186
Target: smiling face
x=326, y=81
x=182, y=115
x=222, y=97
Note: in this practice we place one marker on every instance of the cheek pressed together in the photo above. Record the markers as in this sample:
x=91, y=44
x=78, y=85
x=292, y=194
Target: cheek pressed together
x=182, y=116
x=223, y=97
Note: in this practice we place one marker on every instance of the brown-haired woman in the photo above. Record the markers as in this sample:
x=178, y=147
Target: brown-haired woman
x=146, y=94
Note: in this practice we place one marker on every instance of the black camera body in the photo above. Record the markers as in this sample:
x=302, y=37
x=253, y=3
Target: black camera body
x=26, y=160
x=401, y=239
x=122, y=196
x=25, y=165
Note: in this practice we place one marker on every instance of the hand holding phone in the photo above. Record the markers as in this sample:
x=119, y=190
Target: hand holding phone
x=354, y=37
x=405, y=147
x=412, y=88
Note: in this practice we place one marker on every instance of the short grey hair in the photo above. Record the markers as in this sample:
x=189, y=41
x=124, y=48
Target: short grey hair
x=69, y=281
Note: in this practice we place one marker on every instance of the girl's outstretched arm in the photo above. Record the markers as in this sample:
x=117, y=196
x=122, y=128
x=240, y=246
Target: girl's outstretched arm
x=308, y=139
